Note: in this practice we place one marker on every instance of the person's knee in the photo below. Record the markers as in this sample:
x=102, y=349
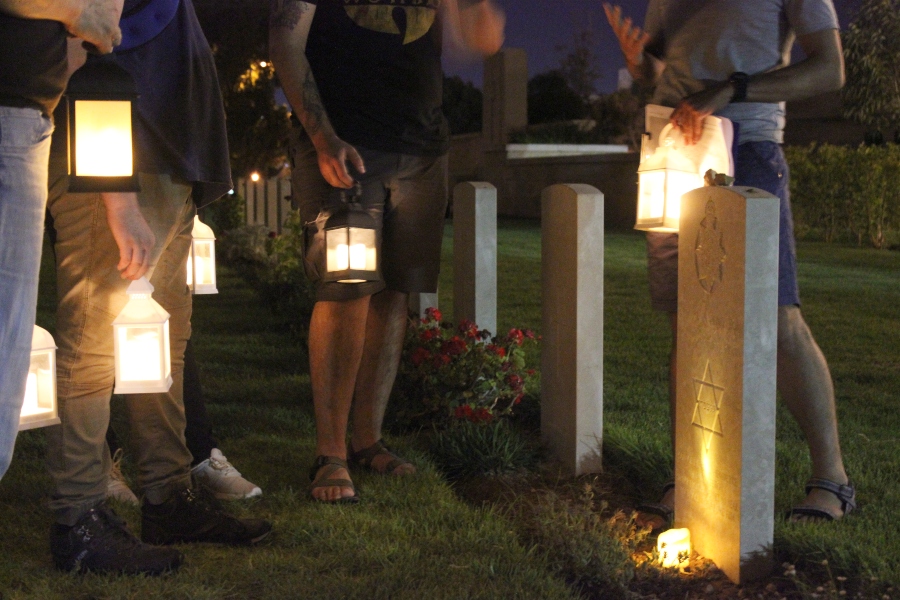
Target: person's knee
x=793, y=333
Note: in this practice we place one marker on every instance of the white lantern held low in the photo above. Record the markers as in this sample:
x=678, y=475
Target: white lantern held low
x=664, y=176
x=351, y=249
x=39, y=408
x=100, y=101
x=141, y=340
x=674, y=547
x=201, y=263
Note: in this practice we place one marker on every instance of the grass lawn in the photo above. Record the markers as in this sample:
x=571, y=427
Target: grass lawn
x=415, y=538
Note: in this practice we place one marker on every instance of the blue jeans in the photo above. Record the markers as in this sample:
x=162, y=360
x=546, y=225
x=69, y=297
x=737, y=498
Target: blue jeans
x=24, y=153
x=759, y=165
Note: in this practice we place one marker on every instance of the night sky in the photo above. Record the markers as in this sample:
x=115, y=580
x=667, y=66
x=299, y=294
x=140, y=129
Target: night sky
x=540, y=26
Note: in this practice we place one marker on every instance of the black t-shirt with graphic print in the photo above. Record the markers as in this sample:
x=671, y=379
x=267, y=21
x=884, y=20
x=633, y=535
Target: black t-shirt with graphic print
x=377, y=64
x=32, y=63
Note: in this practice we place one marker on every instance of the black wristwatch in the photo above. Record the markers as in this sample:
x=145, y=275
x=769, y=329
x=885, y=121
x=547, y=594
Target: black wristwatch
x=739, y=80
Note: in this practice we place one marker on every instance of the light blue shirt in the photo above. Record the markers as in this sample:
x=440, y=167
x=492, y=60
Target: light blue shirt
x=708, y=40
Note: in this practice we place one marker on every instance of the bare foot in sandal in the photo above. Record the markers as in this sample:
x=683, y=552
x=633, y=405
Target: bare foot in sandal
x=379, y=458
x=331, y=481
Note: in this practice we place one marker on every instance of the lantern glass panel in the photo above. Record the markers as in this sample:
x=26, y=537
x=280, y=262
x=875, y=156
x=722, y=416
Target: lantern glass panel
x=141, y=358
x=337, y=252
x=103, y=138
x=40, y=385
x=362, y=249
x=678, y=183
x=652, y=202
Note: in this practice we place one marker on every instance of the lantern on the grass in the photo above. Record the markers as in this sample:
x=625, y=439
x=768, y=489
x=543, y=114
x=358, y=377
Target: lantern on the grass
x=201, y=264
x=141, y=334
x=351, y=249
x=674, y=547
x=664, y=176
x=100, y=99
x=39, y=408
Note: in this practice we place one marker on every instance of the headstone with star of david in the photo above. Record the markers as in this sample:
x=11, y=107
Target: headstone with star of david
x=725, y=414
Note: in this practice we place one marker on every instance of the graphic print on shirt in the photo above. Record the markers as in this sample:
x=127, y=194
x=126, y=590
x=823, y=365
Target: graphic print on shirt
x=408, y=18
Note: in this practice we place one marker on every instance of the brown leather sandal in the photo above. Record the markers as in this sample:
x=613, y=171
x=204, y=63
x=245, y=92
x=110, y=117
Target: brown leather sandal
x=365, y=457
x=320, y=474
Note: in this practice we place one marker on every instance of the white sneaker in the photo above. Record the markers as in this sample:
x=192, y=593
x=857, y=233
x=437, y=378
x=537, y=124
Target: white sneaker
x=221, y=478
x=116, y=486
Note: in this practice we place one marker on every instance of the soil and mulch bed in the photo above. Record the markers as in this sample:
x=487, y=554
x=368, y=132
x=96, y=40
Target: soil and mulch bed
x=701, y=579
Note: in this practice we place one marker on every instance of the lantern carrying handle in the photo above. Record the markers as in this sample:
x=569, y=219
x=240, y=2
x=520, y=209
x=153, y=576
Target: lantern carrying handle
x=671, y=137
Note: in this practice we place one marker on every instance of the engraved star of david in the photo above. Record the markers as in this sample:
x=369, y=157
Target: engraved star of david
x=708, y=404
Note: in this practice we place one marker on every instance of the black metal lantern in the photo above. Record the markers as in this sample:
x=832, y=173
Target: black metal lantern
x=351, y=249
x=100, y=101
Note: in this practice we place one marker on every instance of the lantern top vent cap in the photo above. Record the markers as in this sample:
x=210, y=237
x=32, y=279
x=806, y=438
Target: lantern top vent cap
x=201, y=230
x=42, y=340
x=140, y=287
x=102, y=77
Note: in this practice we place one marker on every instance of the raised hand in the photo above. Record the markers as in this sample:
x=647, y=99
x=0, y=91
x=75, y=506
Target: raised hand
x=632, y=39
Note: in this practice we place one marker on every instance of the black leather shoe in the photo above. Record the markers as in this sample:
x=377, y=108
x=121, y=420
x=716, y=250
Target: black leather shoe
x=195, y=516
x=100, y=542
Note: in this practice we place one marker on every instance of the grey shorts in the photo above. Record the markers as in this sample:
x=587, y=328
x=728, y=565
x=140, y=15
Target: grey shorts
x=757, y=164
x=407, y=197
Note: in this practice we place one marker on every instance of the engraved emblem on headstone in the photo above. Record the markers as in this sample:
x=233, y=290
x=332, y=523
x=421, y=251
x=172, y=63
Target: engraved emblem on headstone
x=710, y=251
x=708, y=404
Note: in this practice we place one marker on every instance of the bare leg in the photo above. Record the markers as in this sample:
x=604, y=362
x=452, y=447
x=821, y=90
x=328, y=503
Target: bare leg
x=385, y=330
x=647, y=519
x=336, y=338
x=804, y=382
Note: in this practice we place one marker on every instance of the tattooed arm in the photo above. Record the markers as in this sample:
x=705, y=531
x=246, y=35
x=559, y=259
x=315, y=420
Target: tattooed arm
x=289, y=23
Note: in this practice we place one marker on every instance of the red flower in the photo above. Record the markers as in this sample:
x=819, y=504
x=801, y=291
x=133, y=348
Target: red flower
x=529, y=334
x=481, y=414
x=454, y=346
x=433, y=314
x=463, y=412
x=419, y=356
x=428, y=334
x=440, y=360
x=469, y=329
x=515, y=381
x=518, y=398
x=498, y=350
x=530, y=372
x=516, y=336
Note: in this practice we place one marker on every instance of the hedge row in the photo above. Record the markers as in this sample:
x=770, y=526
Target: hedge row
x=840, y=193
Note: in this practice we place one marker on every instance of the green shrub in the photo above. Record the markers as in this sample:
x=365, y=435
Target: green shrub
x=467, y=449
x=846, y=194
x=273, y=266
x=450, y=373
x=226, y=213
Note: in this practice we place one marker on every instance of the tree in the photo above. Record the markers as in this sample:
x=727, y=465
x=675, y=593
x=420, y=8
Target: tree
x=871, y=50
x=550, y=99
x=580, y=67
x=462, y=105
x=237, y=31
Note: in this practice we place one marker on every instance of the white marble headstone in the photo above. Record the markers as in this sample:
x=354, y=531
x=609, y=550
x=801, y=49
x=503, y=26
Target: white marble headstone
x=572, y=325
x=725, y=415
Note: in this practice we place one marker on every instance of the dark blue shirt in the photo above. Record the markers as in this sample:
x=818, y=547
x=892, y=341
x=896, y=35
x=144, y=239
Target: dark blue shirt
x=180, y=125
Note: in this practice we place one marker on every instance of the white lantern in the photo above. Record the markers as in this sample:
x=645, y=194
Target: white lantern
x=664, y=176
x=351, y=249
x=674, y=547
x=39, y=408
x=100, y=99
x=201, y=264
x=141, y=338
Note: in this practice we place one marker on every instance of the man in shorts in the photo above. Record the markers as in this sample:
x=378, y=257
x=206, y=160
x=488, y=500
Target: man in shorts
x=364, y=80
x=731, y=58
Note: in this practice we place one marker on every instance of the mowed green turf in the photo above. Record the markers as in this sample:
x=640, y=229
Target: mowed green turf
x=415, y=539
